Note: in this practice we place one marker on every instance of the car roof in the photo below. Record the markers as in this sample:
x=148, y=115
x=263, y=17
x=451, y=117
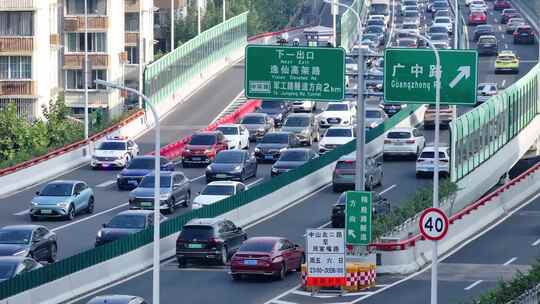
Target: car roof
x=341, y=127
x=488, y=83
x=229, y=125
x=163, y=173
x=488, y=36
x=432, y=149
x=65, y=181
x=524, y=26
x=264, y=239
x=283, y=133
x=402, y=129
x=112, y=299
x=305, y=150
x=136, y=212
x=506, y=53
x=206, y=133
x=255, y=114
x=224, y=183
x=204, y=221
x=300, y=115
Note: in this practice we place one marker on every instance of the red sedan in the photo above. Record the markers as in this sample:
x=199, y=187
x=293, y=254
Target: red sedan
x=477, y=18
x=203, y=148
x=499, y=5
x=269, y=256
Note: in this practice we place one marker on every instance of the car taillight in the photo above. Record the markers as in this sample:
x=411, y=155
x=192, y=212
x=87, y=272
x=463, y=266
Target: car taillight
x=213, y=242
x=412, y=141
x=179, y=241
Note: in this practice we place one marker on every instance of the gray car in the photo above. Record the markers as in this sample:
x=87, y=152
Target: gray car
x=487, y=45
x=374, y=117
x=303, y=125
x=175, y=190
x=291, y=159
x=344, y=174
x=257, y=124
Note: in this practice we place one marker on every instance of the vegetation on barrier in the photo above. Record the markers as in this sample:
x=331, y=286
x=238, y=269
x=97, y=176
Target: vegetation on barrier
x=21, y=140
x=422, y=199
x=505, y=292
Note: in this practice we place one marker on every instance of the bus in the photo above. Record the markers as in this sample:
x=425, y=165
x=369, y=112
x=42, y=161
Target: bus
x=380, y=7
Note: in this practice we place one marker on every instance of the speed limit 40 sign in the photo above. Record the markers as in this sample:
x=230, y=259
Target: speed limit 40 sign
x=433, y=224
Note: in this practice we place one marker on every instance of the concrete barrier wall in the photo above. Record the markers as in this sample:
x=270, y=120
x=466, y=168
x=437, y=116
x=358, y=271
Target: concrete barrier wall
x=100, y=275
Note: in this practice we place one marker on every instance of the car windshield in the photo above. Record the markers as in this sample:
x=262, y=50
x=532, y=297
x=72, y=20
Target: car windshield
x=127, y=221
x=253, y=120
x=442, y=20
x=337, y=107
x=294, y=156
x=11, y=236
x=149, y=180
x=112, y=145
x=487, y=40
x=255, y=246
x=7, y=270
x=411, y=14
x=228, y=130
x=218, y=190
x=516, y=21
x=439, y=37
x=509, y=11
x=57, y=189
x=375, y=29
x=229, y=157
x=409, y=26
x=338, y=133
x=398, y=135
x=438, y=29
x=373, y=114
x=141, y=163
x=296, y=121
x=484, y=28
x=270, y=104
x=346, y=164
x=506, y=58
x=442, y=13
x=198, y=232
x=430, y=154
x=274, y=138
x=202, y=140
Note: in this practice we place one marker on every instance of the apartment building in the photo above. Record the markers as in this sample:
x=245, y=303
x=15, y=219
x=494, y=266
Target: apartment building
x=162, y=21
x=29, y=54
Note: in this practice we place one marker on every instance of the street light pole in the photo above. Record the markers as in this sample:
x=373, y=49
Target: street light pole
x=456, y=25
x=157, y=173
x=172, y=26
x=334, y=11
x=434, y=258
x=198, y=17
x=224, y=12
x=86, y=122
x=141, y=54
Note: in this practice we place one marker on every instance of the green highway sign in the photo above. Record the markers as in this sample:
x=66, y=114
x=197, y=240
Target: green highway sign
x=295, y=73
x=358, y=217
x=409, y=76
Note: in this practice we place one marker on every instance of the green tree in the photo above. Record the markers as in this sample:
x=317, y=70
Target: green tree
x=60, y=129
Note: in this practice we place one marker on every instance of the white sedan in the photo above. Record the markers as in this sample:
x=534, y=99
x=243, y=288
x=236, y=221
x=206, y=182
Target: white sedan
x=216, y=191
x=444, y=21
x=478, y=5
x=237, y=136
x=337, y=114
x=336, y=136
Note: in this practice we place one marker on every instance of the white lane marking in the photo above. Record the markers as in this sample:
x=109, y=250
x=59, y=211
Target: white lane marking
x=473, y=285
x=227, y=106
x=88, y=217
x=510, y=261
x=503, y=83
x=106, y=184
x=388, y=189
x=444, y=257
x=197, y=178
x=536, y=243
x=320, y=296
x=198, y=269
x=24, y=212
x=321, y=226
x=282, y=302
x=360, y=293
x=255, y=182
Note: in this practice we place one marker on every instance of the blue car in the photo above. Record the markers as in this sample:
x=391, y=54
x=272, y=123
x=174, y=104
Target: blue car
x=62, y=199
x=138, y=167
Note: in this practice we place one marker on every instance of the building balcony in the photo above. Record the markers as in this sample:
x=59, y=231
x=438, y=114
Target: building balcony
x=131, y=39
x=95, y=61
x=132, y=6
x=17, y=88
x=17, y=5
x=96, y=99
x=16, y=45
x=95, y=23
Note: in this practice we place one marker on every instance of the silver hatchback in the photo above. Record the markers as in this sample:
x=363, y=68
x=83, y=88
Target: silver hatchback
x=344, y=174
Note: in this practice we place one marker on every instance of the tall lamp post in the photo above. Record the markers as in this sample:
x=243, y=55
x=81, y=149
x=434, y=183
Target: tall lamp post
x=361, y=109
x=198, y=17
x=224, y=11
x=86, y=122
x=456, y=25
x=155, y=273
x=172, y=26
x=434, y=260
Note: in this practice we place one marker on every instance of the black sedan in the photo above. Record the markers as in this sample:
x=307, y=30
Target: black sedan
x=232, y=164
x=15, y=265
x=272, y=144
x=138, y=167
x=117, y=299
x=125, y=223
x=381, y=206
x=483, y=29
x=277, y=110
x=32, y=241
x=291, y=159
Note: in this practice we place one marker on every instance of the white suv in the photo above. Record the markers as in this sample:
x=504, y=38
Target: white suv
x=337, y=114
x=425, y=163
x=404, y=141
x=237, y=136
x=335, y=137
x=114, y=152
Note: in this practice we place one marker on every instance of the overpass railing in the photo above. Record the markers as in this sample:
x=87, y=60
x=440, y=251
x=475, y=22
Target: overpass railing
x=479, y=134
x=349, y=24
x=174, y=70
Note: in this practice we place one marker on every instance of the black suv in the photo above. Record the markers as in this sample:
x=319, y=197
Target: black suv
x=208, y=239
x=272, y=144
x=277, y=110
x=380, y=206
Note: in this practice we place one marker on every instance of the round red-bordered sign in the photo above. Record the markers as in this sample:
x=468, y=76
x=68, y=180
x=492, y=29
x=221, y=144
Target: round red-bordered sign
x=433, y=224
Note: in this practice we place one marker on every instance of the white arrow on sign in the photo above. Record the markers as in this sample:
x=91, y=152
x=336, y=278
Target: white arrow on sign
x=351, y=233
x=464, y=71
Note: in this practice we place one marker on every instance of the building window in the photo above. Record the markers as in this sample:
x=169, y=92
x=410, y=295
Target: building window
x=97, y=42
x=15, y=67
x=132, y=22
x=75, y=79
x=16, y=24
x=95, y=7
x=132, y=54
